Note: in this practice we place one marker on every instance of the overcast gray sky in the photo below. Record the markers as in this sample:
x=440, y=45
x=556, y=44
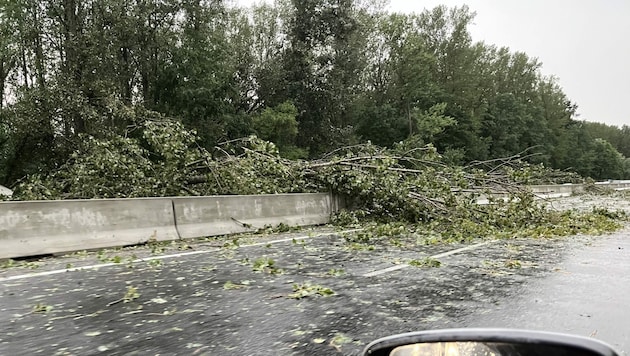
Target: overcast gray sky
x=585, y=43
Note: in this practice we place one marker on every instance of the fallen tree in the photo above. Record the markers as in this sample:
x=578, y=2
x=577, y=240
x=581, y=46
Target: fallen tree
x=407, y=183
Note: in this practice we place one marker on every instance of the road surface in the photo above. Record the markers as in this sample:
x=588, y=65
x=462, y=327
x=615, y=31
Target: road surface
x=261, y=297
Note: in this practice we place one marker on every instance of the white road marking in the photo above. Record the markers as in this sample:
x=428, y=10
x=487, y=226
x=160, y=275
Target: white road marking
x=163, y=257
x=386, y=270
x=439, y=255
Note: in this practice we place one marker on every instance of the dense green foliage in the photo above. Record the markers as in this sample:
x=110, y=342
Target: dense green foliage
x=76, y=78
x=407, y=190
x=611, y=151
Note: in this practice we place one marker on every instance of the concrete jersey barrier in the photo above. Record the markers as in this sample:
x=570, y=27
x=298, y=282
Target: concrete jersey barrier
x=563, y=190
x=46, y=227
x=556, y=190
x=220, y=215
x=5, y=191
x=43, y=227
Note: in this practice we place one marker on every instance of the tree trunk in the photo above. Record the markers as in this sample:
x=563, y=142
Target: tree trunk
x=73, y=67
x=24, y=66
x=125, y=80
x=2, y=81
x=410, y=119
x=40, y=75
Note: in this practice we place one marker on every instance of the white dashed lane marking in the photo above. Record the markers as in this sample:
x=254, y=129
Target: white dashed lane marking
x=439, y=255
x=164, y=257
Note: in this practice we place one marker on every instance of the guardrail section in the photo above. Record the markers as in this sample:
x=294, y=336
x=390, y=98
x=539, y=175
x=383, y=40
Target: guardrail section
x=227, y=214
x=44, y=227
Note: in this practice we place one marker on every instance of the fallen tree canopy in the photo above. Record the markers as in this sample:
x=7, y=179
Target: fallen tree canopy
x=406, y=183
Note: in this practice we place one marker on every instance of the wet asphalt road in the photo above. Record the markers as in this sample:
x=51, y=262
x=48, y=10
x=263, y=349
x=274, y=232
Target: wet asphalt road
x=587, y=294
x=234, y=301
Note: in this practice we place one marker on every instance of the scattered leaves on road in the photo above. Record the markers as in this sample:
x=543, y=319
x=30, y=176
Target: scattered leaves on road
x=307, y=290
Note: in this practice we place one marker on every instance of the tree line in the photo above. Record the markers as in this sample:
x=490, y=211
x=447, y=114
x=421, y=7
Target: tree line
x=309, y=75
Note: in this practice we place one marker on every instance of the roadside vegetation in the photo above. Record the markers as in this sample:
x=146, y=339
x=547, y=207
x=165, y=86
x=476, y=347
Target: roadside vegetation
x=309, y=75
x=408, y=190
x=403, y=115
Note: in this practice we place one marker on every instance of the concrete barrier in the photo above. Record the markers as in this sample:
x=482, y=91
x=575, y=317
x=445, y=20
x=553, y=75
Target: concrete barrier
x=44, y=227
x=219, y=215
x=47, y=227
x=563, y=190
x=5, y=191
x=615, y=184
x=556, y=190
